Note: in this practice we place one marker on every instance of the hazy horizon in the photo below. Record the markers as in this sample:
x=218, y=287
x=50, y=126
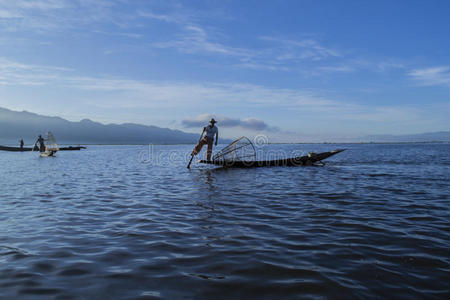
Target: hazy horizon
x=26, y=125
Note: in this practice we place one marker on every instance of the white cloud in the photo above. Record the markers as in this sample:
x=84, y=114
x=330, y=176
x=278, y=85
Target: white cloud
x=247, y=123
x=437, y=76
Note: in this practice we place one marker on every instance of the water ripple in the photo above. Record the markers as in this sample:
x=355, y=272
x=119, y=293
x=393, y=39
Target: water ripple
x=373, y=223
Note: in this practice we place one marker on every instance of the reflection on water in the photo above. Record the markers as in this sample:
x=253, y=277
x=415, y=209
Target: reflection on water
x=372, y=223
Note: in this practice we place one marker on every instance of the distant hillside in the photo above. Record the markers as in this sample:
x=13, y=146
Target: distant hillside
x=442, y=136
x=17, y=125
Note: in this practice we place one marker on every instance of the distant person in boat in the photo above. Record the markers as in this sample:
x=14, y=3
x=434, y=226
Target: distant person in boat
x=211, y=131
x=21, y=144
x=40, y=140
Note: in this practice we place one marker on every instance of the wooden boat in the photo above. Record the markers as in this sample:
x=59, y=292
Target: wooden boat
x=48, y=153
x=25, y=149
x=72, y=148
x=307, y=160
x=15, y=149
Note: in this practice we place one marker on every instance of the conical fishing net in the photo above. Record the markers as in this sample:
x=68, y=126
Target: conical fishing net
x=51, y=142
x=241, y=149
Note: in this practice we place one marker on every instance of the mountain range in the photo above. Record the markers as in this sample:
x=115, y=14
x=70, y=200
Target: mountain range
x=16, y=125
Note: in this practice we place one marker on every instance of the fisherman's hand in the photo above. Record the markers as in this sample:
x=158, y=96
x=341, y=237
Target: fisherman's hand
x=204, y=128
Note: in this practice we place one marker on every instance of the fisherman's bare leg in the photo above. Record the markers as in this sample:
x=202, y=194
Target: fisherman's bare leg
x=199, y=146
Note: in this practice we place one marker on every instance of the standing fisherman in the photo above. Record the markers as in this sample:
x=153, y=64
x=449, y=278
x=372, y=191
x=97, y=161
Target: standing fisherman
x=21, y=144
x=211, y=131
x=40, y=140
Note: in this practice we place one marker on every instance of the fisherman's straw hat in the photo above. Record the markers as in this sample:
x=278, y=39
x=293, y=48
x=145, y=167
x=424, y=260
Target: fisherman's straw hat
x=212, y=121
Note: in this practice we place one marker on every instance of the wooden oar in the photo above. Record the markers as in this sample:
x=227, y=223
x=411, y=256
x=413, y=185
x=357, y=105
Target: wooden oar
x=192, y=157
x=34, y=146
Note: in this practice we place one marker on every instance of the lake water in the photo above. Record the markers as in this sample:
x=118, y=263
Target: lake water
x=131, y=222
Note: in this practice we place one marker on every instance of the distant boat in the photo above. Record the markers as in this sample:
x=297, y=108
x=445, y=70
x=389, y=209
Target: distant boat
x=36, y=148
x=25, y=149
x=51, y=146
x=16, y=149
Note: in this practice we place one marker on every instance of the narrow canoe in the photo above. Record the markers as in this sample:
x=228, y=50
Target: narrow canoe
x=18, y=149
x=306, y=160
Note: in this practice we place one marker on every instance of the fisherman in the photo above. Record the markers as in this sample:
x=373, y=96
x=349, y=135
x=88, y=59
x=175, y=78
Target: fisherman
x=211, y=131
x=21, y=144
x=40, y=140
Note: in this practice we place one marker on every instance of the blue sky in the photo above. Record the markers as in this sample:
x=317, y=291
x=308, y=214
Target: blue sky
x=298, y=70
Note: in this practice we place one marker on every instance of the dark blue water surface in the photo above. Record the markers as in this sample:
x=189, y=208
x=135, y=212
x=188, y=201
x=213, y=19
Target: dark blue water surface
x=131, y=222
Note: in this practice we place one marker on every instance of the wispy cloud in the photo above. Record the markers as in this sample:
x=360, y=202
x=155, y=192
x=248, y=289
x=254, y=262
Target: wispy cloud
x=53, y=15
x=169, y=18
x=195, y=39
x=277, y=55
x=342, y=68
x=349, y=65
x=166, y=94
x=34, y=4
x=15, y=73
x=389, y=65
x=10, y=65
x=247, y=123
x=123, y=34
x=300, y=49
x=436, y=76
x=306, y=56
x=159, y=94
